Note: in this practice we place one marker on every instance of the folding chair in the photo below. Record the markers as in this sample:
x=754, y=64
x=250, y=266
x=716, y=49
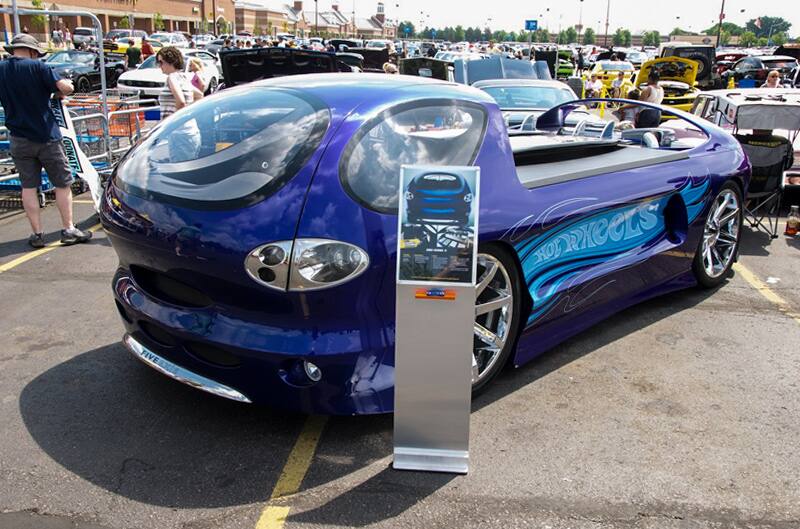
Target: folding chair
x=769, y=157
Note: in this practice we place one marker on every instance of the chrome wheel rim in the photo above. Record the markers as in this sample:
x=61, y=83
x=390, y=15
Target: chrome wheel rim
x=721, y=234
x=494, y=312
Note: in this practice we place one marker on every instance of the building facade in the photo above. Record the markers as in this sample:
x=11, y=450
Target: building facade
x=191, y=16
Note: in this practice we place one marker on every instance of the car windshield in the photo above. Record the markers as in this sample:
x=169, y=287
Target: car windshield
x=636, y=56
x=82, y=31
x=65, y=57
x=512, y=97
x=613, y=66
x=118, y=33
x=149, y=62
x=780, y=65
x=220, y=151
x=160, y=37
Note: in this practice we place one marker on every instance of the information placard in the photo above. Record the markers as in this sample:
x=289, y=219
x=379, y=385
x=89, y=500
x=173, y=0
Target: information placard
x=438, y=213
x=435, y=313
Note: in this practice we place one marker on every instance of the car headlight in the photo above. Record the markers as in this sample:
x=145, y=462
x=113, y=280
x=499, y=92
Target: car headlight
x=305, y=264
x=320, y=263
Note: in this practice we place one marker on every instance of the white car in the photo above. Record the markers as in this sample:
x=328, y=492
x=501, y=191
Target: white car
x=148, y=81
x=170, y=39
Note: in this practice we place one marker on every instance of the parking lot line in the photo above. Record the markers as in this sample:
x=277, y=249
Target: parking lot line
x=765, y=291
x=36, y=253
x=274, y=514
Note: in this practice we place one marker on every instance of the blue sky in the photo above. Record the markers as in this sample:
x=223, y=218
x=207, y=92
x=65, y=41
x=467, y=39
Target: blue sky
x=636, y=15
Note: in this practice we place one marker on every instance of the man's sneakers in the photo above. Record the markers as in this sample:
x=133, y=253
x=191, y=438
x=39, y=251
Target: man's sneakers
x=36, y=240
x=74, y=236
x=68, y=237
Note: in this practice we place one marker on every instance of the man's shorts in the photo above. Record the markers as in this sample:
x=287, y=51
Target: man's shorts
x=30, y=157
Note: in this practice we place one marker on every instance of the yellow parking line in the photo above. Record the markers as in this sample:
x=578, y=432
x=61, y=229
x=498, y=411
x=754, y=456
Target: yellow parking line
x=36, y=253
x=765, y=291
x=274, y=514
x=79, y=201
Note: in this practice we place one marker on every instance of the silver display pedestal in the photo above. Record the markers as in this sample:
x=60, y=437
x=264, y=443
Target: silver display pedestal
x=433, y=374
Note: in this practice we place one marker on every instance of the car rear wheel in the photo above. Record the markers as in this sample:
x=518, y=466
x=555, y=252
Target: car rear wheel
x=717, y=250
x=497, y=310
x=83, y=85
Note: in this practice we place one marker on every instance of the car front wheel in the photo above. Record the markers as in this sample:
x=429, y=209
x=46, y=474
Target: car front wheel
x=717, y=250
x=497, y=311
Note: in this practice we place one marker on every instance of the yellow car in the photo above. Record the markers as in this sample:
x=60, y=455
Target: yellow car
x=608, y=71
x=677, y=77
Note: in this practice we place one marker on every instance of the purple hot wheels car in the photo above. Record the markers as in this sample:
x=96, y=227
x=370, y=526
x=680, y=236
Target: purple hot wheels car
x=256, y=231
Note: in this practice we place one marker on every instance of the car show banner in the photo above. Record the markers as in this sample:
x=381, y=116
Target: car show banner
x=437, y=248
x=78, y=162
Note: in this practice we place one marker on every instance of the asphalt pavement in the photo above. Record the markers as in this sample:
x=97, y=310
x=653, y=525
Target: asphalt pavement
x=683, y=412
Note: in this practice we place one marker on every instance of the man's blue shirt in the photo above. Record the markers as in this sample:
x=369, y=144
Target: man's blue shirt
x=25, y=89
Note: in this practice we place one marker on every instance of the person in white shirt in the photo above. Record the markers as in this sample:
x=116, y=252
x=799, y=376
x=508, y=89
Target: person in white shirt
x=593, y=86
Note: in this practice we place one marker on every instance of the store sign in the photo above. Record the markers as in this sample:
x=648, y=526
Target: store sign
x=435, y=311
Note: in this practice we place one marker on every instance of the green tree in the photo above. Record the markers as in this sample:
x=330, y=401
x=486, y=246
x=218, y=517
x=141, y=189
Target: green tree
x=124, y=23
x=779, y=39
x=406, y=29
x=541, y=35
x=38, y=21
x=651, y=38
x=747, y=39
x=571, y=35
x=677, y=32
x=158, y=22
x=622, y=37
x=589, y=36
x=460, y=34
x=730, y=27
x=768, y=25
x=724, y=38
x=256, y=29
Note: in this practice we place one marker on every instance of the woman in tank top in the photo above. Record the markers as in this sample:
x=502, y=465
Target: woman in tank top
x=652, y=93
x=178, y=92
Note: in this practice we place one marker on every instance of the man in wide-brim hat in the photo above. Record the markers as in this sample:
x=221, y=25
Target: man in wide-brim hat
x=26, y=85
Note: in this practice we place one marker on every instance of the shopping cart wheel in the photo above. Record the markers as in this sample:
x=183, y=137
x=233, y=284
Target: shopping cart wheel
x=42, y=199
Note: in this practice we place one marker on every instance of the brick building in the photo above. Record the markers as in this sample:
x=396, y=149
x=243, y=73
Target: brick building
x=176, y=15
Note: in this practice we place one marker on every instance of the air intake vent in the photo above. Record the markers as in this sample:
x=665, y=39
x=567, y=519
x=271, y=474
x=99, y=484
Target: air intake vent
x=165, y=288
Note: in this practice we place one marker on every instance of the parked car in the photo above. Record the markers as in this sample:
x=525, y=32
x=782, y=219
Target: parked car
x=519, y=99
x=724, y=61
x=84, y=37
x=677, y=78
x=169, y=39
x=83, y=68
x=214, y=46
x=755, y=68
x=116, y=40
x=704, y=55
x=257, y=251
x=608, y=71
x=246, y=65
x=201, y=41
x=148, y=81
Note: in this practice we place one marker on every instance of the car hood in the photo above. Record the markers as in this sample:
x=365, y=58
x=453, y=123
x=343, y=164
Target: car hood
x=426, y=67
x=146, y=74
x=245, y=66
x=671, y=69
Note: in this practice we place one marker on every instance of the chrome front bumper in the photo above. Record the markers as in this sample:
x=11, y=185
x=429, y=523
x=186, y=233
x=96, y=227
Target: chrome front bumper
x=179, y=373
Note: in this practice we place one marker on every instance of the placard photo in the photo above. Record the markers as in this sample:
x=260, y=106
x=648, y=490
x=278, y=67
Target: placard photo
x=438, y=212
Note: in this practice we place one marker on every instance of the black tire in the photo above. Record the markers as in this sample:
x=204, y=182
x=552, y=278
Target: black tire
x=704, y=68
x=704, y=278
x=83, y=85
x=503, y=256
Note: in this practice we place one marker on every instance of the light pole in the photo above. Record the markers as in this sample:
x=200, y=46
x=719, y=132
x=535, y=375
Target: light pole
x=719, y=26
x=316, y=18
x=580, y=22
x=608, y=15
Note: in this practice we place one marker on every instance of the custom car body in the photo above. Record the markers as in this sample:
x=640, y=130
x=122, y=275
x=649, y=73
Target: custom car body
x=257, y=230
